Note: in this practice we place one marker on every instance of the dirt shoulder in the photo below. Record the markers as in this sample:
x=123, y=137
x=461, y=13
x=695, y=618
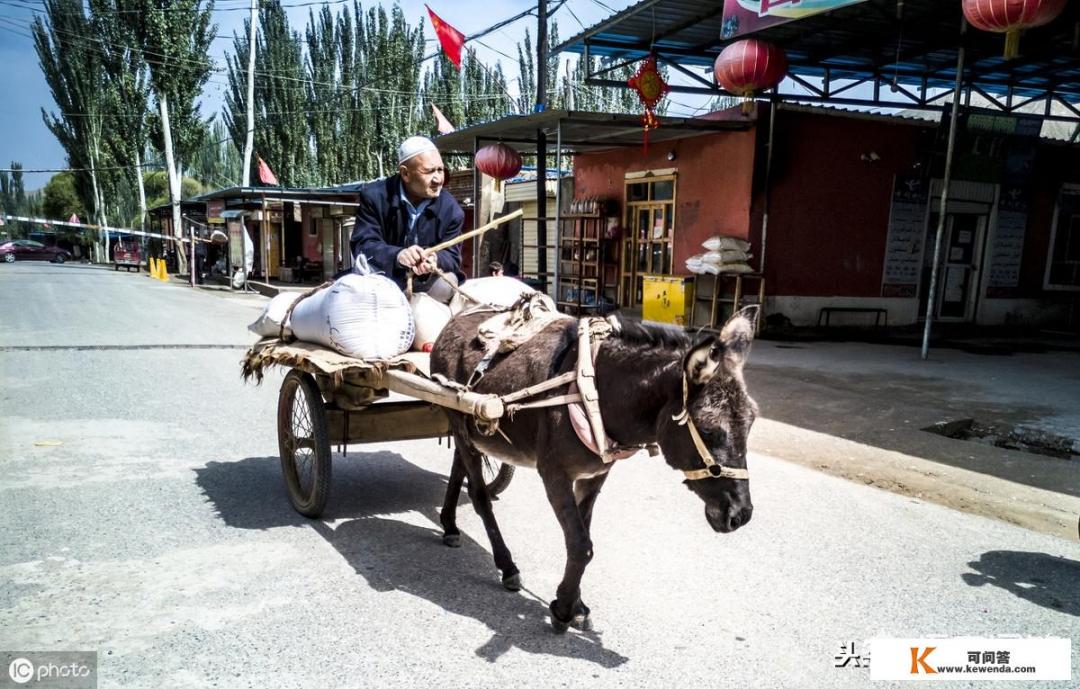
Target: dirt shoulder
x=868, y=427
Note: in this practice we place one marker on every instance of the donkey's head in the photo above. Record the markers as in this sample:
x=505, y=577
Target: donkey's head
x=703, y=429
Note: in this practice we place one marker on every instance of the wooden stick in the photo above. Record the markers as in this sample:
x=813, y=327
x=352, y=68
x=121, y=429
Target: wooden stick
x=478, y=231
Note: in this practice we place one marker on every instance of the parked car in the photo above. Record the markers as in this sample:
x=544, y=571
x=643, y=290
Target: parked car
x=29, y=250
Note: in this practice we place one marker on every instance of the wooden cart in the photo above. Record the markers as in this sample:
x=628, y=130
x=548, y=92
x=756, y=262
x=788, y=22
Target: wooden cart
x=328, y=399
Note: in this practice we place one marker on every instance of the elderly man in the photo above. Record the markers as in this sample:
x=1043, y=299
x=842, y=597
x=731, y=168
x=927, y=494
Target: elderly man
x=398, y=217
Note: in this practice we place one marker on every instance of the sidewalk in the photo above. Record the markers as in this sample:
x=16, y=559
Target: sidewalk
x=859, y=410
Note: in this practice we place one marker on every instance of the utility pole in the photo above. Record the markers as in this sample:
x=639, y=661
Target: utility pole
x=249, y=137
x=541, y=144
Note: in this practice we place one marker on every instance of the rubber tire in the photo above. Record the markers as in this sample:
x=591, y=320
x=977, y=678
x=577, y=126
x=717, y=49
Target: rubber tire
x=60, y=258
x=9, y=258
x=502, y=477
x=313, y=503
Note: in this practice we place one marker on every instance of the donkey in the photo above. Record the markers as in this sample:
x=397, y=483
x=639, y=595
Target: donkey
x=656, y=387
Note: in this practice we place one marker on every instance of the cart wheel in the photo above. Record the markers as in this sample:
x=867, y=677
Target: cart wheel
x=304, y=443
x=497, y=475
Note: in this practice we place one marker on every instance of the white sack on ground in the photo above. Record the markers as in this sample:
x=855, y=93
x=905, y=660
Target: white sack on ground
x=500, y=291
x=695, y=265
x=430, y=316
x=363, y=316
x=721, y=243
x=269, y=323
x=725, y=256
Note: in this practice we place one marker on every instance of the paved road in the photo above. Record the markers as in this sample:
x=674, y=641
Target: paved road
x=158, y=534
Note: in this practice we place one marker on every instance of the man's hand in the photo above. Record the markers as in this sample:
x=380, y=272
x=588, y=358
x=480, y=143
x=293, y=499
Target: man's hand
x=428, y=265
x=411, y=257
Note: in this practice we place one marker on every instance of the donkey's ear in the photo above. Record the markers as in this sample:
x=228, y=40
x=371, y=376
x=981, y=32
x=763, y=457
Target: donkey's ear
x=703, y=360
x=736, y=336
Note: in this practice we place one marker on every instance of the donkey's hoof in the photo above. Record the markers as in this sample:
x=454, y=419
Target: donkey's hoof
x=581, y=612
x=452, y=539
x=512, y=582
x=558, y=625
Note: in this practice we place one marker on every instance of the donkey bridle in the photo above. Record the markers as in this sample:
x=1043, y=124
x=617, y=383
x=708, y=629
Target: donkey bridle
x=712, y=468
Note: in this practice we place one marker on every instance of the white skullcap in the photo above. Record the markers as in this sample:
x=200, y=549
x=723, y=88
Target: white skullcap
x=414, y=146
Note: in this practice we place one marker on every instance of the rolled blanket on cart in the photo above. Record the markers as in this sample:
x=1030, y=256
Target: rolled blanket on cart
x=363, y=316
x=500, y=292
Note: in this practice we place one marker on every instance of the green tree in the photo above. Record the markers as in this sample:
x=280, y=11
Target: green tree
x=173, y=37
x=13, y=199
x=60, y=198
x=280, y=97
x=324, y=97
x=157, y=188
x=215, y=163
x=127, y=97
x=73, y=68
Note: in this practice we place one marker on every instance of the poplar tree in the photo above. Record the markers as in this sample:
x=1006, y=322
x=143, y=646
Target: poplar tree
x=72, y=65
x=174, y=37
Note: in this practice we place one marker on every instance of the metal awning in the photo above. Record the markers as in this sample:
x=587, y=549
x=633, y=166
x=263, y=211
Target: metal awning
x=580, y=131
x=905, y=49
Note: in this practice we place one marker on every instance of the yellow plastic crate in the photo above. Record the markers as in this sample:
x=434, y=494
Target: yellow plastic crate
x=667, y=299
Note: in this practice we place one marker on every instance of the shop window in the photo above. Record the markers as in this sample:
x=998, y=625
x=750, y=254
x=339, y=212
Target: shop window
x=648, y=231
x=1063, y=269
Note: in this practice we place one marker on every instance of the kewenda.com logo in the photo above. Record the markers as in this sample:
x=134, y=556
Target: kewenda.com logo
x=918, y=660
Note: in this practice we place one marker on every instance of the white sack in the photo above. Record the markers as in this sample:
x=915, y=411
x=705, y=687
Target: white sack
x=430, y=316
x=735, y=268
x=363, y=316
x=725, y=256
x=500, y=291
x=269, y=323
x=720, y=243
x=695, y=265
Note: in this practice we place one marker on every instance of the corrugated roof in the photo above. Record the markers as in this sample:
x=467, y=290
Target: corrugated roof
x=913, y=41
x=581, y=131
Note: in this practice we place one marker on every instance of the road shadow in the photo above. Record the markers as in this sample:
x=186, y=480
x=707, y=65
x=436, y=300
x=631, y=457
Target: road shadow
x=1046, y=580
x=394, y=555
x=250, y=493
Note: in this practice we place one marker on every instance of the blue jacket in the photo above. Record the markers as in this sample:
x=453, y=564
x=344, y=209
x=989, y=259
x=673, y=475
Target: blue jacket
x=382, y=223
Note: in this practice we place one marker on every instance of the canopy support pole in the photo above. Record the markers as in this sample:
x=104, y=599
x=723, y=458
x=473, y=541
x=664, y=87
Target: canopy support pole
x=931, y=299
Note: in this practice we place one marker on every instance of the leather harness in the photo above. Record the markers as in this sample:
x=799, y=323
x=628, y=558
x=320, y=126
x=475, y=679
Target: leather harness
x=592, y=332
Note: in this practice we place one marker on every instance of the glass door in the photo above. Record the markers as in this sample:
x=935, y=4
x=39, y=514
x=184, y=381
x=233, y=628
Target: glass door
x=958, y=283
x=648, y=234
x=958, y=276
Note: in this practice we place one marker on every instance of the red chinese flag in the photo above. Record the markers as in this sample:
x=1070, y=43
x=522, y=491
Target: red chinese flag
x=441, y=123
x=450, y=38
x=266, y=175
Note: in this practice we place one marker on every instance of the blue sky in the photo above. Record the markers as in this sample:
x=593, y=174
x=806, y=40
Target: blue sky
x=23, y=91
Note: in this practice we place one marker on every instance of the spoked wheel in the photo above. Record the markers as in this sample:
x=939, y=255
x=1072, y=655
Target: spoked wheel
x=304, y=443
x=497, y=475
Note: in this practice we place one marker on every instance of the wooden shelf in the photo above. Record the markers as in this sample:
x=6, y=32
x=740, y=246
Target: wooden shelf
x=587, y=281
x=707, y=289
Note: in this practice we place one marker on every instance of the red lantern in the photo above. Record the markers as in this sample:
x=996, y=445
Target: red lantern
x=1010, y=17
x=748, y=66
x=498, y=161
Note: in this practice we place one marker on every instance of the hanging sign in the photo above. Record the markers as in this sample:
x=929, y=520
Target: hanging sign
x=747, y=16
x=907, y=233
x=1007, y=247
x=214, y=209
